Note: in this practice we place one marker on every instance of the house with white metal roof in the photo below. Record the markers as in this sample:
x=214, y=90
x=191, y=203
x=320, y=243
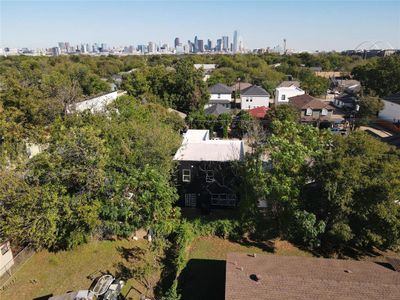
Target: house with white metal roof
x=206, y=170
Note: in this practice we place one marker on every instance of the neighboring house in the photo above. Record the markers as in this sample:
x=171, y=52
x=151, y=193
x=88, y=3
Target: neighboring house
x=220, y=94
x=6, y=256
x=332, y=74
x=350, y=86
x=391, y=108
x=345, y=101
x=258, y=112
x=206, y=172
x=254, y=96
x=217, y=109
x=311, y=109
x=95, y=105
x=207, y=69
x=263, y=276
x=286, y=90
x=240, y=86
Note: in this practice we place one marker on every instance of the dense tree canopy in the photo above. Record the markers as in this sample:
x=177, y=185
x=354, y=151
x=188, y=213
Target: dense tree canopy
x=381, y=76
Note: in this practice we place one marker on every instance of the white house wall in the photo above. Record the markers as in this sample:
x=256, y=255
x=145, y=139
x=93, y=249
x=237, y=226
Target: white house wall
x=287, y=92
x=97, y=104
x=227, y=97
x=250, y=102
x=390, y=111
x=6, y=259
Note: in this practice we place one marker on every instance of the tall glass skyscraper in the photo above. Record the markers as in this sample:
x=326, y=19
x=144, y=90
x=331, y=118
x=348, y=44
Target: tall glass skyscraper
x=235, y=47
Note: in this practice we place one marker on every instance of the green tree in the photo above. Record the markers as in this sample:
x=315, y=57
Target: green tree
x=381, y=76
x=355, y=192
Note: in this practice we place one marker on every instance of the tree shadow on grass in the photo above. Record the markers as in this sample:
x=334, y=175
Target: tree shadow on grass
x=131, y=254
x=266, y=246
x=203, y=279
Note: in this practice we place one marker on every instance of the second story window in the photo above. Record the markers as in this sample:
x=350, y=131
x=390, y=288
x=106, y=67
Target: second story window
x=283, y=97
x=186, y=175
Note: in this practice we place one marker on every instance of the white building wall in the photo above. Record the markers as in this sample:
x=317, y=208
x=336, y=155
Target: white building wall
x=390, y=112
x=287, y=92
x=250, y=102
x=6, y=259
x=227, y=97
x=97, y=104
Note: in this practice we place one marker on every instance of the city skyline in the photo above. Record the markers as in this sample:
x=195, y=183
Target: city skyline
x=304, y=24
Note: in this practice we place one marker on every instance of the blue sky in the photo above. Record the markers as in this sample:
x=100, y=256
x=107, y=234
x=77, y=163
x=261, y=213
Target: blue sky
x=306, y=24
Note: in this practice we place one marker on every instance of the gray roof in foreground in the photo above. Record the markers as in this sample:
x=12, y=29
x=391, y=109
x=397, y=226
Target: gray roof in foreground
x=254, y=90
x=219, y=88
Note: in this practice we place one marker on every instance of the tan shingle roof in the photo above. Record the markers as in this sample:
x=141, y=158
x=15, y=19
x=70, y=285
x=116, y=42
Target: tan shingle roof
x=287, y=277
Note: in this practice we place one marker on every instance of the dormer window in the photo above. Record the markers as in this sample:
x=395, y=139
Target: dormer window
x=308, y=112
x=324, y=112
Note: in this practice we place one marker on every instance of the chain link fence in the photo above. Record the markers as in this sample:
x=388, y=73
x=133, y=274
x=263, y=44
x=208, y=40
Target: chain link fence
x=8, y=278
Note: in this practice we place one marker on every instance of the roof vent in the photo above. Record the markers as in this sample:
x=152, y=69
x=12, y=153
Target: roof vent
x=394, y=262
x=255, y=277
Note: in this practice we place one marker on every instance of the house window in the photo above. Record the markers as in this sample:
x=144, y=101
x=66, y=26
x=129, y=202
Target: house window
x=219, y=96
x=251, y=99
x=324, y=112
x=210, y=176
x=308, y=112
x=186, y=175
x=283, y=97
x=190, y=200
x=4, y=249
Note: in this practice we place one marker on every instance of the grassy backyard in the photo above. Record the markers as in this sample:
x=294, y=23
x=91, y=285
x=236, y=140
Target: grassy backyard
x=56, y=273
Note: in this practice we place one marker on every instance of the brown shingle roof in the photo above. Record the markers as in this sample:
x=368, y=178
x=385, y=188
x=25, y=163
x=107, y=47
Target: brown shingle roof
x=287, y=277
x=306, y=101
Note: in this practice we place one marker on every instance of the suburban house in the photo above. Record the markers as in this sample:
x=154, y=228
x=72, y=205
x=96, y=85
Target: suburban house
x=237, y=88
x=95, y=105
x=391, y=108
x=346, y=101
x=311, y=109
x=220, y=94
x=263, y=276
x=350, y=86
x=217, y=109
x=286, y=90
x=207, y=69
x=254, y=96
x=6, y=256
x=206, y=170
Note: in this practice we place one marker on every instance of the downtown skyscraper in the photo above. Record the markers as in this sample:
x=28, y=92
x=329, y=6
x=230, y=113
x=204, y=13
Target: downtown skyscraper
x=235, y=47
